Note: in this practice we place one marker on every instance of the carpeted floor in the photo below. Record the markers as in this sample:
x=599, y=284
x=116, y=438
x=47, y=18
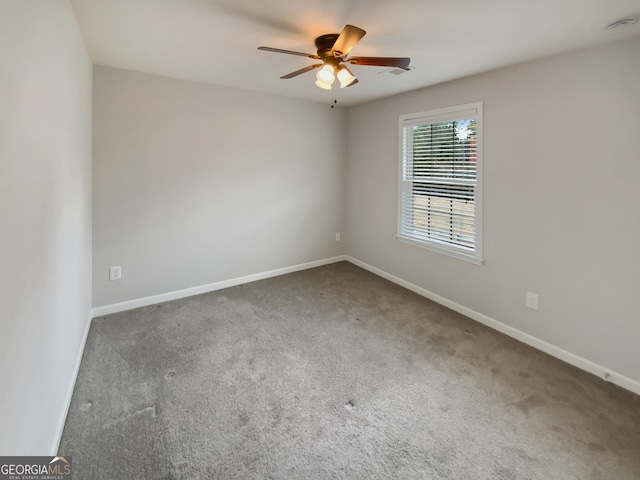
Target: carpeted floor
x=334, y=373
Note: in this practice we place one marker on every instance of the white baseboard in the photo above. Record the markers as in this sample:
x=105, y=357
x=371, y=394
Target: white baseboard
x=72, y=384
x=188, y=292
x=568, y=357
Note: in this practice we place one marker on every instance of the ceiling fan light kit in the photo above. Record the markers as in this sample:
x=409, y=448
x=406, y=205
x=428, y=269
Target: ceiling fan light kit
x=326, y=76
x=333, y=50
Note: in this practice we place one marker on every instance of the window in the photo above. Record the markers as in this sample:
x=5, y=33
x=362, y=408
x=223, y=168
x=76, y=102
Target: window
x=440, y=191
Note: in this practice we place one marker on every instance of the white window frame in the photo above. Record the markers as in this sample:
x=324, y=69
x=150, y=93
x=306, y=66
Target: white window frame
x=459, y=112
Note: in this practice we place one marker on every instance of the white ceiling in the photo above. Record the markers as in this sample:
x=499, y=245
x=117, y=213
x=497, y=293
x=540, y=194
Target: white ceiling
x=215, y=41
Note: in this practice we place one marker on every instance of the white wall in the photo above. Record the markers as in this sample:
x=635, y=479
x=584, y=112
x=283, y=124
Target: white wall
x=195, y=184
x=561, y=200
x=45, y=218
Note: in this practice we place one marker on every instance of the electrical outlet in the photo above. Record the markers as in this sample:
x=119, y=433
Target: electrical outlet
x=115, y=273
x=532, y=301
x=337, y=236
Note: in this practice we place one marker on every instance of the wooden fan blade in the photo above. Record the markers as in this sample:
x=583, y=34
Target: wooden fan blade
x=401, y=62
x=302, y=70
x=349, y=36
x=290, y=52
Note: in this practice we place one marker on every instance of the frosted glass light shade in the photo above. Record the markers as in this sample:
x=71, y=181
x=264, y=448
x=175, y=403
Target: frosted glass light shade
x=345, y=77
x=326, y=75
x=326, y=86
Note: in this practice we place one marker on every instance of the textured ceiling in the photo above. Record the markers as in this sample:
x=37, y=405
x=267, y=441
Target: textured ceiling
x=215, y=41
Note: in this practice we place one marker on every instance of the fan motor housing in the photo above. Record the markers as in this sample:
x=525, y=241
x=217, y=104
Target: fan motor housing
x=324, y=44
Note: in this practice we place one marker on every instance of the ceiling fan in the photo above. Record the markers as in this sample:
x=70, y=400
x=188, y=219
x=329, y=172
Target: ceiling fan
x=333, y=50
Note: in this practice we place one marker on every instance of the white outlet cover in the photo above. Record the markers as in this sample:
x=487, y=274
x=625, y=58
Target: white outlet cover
x=531, y=301
x=115, y=273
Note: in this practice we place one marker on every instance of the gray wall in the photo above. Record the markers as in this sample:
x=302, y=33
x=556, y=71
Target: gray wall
x=195, y=184
x=45, y=217
x=561, y=200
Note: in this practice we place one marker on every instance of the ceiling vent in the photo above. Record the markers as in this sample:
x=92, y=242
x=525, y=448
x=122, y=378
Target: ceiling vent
x=624, y=22
x=395, y=71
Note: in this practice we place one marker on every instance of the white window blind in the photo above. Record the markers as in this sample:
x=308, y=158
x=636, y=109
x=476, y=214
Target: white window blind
x=440, y=187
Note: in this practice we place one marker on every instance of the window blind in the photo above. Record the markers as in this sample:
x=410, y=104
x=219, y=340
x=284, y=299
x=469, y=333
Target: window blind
x=439, y=180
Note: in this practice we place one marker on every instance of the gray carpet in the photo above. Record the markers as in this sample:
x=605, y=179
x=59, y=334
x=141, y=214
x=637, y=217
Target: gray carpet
x=335, y=373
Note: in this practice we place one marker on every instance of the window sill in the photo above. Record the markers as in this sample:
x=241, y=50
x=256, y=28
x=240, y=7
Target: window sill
x=442, y=250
